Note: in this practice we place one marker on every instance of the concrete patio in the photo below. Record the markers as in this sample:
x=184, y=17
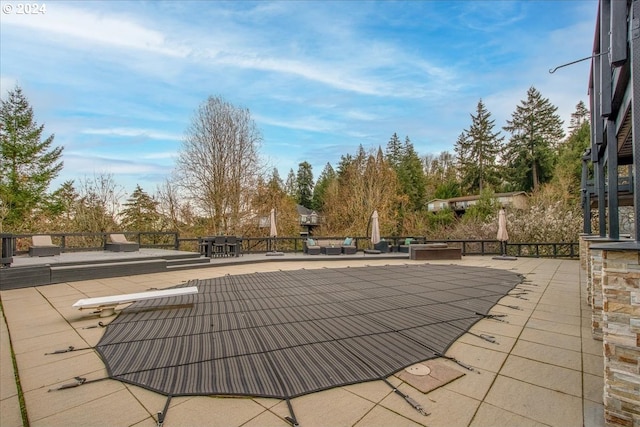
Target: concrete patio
x=545, y=370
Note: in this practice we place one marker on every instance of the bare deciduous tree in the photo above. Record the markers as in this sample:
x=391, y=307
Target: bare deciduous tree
x=218, y=164
x=98, y=203
x=169, y=205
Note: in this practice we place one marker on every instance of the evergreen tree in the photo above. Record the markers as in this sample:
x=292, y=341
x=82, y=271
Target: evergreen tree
x=325, y=179
x=61, y=207
x=578, y=118
x=483, y=147
x=28, y=163
x=140, y=212
x=290, y=187
x=462, y=148
x=394, y=151
x=304, y=185
x=568, y=171
x=411, y=176
x=536, y=130
x=275, y=182
x=345, y=162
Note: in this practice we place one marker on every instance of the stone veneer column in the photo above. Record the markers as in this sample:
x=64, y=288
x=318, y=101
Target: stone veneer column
x=621, y=333
x=585, y=264
x=594, y=281
x=596, y=292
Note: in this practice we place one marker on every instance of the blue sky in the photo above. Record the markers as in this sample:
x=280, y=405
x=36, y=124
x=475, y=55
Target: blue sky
x=118, y=82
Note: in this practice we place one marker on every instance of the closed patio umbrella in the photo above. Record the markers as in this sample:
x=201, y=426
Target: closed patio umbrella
x=375, y=228
x=503, y=235
x=273, y=233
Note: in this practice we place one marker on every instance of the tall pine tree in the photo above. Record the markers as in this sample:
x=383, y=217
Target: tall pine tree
x=410, y=172
x=140, y=212
x=290, y=186
x=325, y=179
x=536, y=131
x=304, y=185
x=28, y=163
x=394, y=151
x=484, y=146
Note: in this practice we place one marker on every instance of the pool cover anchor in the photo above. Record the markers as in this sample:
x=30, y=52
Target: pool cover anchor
x=163, y=414
x=292, y=419
x=79, y=382
x=99, y=325
x=408, y=399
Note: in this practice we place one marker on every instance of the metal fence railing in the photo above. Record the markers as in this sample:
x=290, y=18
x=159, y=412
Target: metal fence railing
x=17, y=244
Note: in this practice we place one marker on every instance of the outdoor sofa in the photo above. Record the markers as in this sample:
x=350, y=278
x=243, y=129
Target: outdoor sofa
x=329, y=247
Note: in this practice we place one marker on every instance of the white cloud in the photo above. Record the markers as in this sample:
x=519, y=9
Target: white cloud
x=132, y=132
x=309, y=123
x=82, y=27
x=168, y=155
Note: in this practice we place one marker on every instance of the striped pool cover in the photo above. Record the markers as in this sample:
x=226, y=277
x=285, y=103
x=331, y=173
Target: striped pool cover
x=287, y=333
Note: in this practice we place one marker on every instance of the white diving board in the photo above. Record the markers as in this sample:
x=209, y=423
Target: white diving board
x=107, y=305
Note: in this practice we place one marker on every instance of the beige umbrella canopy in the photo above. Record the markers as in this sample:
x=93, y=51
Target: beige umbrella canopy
x=273, y=232
x=375, y=228
x=503, y=235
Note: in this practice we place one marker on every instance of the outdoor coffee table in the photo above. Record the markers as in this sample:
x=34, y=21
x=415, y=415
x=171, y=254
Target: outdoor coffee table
x=331, y=250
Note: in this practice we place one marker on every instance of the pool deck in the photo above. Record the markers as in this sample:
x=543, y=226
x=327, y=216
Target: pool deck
x=544, y=370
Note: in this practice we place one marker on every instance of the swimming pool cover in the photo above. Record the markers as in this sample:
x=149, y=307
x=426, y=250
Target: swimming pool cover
x=287, y=333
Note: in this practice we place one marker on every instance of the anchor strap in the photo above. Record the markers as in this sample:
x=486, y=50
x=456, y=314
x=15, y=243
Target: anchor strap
x=486, y=337
x=407, y=398
x=68, y=350
x=513, y=307
x=291, y=419
x=79, y=381
x=497, y=317
x=456, y=361
x=162, y=415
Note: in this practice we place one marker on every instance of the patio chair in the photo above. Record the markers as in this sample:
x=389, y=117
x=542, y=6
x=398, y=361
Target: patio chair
x=231, y=246
x=219, y=246
x=310, y=247
x=43, y=246
x=382, y=246
x=119, y=243
x=349, y=247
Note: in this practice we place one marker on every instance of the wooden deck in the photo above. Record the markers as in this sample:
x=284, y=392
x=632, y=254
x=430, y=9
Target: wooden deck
x=28, y=271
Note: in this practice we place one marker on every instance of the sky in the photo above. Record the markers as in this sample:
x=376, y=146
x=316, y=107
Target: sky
x=118, y=82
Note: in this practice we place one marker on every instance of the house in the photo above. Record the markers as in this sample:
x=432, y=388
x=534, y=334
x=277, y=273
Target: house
x=516, y=199
x=308, y=220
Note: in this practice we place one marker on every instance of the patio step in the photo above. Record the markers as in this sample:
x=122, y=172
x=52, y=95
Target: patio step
x=24, y=277
x=191, y=262
x=74, y=273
